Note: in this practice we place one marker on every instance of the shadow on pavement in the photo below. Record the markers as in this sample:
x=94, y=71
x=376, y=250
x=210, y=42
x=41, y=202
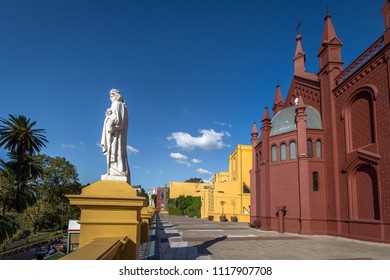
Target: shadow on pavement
x=203, y=248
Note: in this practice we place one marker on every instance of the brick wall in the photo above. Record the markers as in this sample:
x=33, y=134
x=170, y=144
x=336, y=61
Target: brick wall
x=366, y=127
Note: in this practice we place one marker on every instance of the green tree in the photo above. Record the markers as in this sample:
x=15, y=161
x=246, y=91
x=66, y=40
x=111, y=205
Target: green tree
x=7, y=179
x=23, y=141
x=185, y=205
x=59, y=177
x=194, y=180
x=8, y=227
x=154, y=198
x=183, y=202
x=35, y=215
x=11, y=197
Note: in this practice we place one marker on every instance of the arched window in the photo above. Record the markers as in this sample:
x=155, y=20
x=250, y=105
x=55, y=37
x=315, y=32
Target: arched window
x=274, y=154
x=309, y=148
x=359, y=117
x=293, y=150
x=315, y=181
x=283, y=155
x=318, y=149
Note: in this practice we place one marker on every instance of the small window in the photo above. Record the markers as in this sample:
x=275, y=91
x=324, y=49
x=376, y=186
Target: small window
x=309, y=148
x=293, y=150
x=318, y=149
x=315, y=182
x=274, y=153
x=245, y=188
x=283, y=152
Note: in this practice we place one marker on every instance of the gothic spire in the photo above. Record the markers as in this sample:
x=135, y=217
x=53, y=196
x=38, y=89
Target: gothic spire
x=278, y=101
x=300, y=55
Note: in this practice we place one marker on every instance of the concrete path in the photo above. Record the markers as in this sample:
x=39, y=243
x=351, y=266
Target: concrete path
x=181, y=238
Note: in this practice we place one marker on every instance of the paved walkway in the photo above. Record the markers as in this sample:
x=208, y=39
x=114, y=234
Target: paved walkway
x=181, y=238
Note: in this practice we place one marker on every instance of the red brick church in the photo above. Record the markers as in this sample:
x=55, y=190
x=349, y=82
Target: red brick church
x=321, y=164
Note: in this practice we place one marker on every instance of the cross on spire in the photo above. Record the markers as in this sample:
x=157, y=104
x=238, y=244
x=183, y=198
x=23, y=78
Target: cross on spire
x=299, y=26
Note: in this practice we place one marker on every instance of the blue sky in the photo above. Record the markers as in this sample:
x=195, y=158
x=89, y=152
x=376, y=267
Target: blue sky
x=195, y=74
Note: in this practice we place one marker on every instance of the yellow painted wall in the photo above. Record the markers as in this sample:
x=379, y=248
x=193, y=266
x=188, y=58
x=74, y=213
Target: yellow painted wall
x=177, y=189
x=227, y=187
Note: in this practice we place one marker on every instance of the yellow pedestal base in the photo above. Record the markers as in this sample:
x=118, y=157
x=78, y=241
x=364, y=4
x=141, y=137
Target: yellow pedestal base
x=110, y=209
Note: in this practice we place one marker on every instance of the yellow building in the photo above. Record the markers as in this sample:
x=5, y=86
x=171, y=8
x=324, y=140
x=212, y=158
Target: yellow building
x=229, y=194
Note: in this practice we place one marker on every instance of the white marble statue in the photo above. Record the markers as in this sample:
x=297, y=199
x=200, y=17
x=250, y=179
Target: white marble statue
x=114, y=139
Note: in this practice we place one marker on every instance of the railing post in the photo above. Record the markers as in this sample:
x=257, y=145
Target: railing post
x=110, y=209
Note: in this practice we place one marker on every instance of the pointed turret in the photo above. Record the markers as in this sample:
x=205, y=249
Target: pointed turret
x=303, y=170
x=278, y=101
x=265, y=133
x=331, y=66
x=300, y=119
x=254, y=129
x=300, y=57
x=266, y=118
x=300, y=103
x=330, y=49
x=329, y=32
x=386, y=14
x=255, y=134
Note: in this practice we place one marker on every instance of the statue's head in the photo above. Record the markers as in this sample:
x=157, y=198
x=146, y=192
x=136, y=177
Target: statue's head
x=115, y=95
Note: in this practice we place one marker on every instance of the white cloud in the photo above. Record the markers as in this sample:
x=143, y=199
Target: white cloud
x=67, y=146
x=131, y=150
x=178, y=156
x=195, y=160
x=208, y=140
x=228, y=134
x=204, y=171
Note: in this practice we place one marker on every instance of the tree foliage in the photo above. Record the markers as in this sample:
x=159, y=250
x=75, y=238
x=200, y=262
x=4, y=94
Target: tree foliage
x=185, y=205
x=52, y=210
x=22, y=140
x=32, y=186
x=8, y=227
x=154, y=198
x=194, y=180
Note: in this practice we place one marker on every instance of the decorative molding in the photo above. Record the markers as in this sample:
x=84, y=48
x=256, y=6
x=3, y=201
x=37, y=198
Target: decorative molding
x=306, y=93
x=370, y=88
x=360, y=75
x=360, y=157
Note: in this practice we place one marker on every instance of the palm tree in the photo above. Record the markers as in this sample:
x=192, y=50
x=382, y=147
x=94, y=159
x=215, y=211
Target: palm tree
x=7, y=181
x=23, y=141
x=8, y=227
x=19, y=136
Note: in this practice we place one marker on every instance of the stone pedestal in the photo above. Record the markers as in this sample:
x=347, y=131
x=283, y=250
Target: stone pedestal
x=113, y=178
x=146, y=217
x=110, y=209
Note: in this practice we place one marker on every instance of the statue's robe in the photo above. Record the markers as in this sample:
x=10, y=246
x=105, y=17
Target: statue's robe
x=114, y=144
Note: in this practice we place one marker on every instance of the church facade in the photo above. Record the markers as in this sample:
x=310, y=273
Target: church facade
x=321, y=164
